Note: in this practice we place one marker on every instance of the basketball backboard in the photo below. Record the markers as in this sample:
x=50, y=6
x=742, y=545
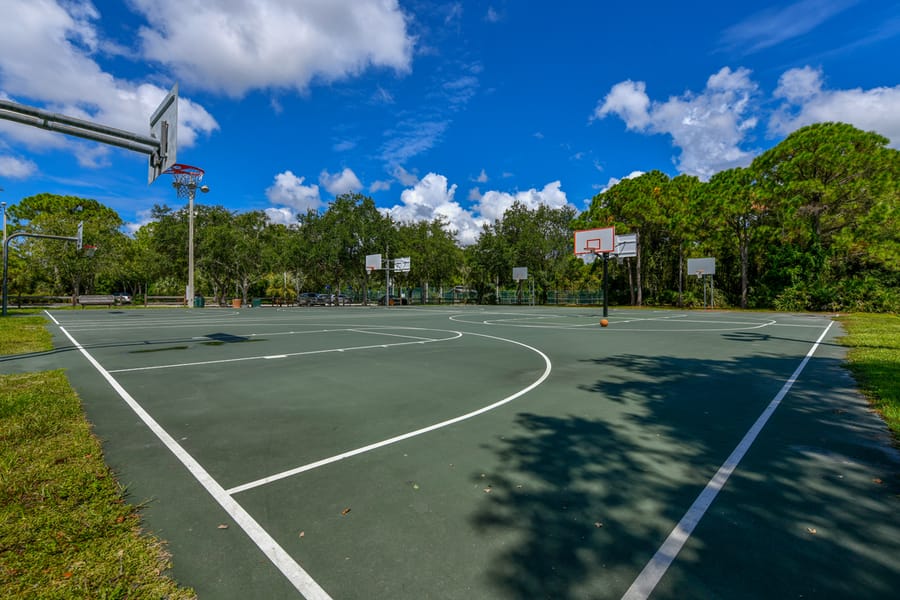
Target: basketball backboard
x=626, y=245
x=164, y=127
x=373, y=262
x=595, y=241
x=520, y=273
x=701, y=266
x=402, y=265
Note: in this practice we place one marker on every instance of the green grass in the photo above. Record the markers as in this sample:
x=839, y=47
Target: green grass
x=874, y=359
x=65, y=528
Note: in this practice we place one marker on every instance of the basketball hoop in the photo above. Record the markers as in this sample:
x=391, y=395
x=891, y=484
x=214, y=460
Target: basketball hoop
x=185, y=179
x=89, y=250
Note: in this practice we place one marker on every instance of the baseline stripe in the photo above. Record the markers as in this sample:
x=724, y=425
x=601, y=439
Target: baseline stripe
x=300, y=579
x=653, y=572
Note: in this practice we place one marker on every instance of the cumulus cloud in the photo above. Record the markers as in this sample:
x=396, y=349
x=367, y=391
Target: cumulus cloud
x=614, y=180
x=707, y=127
x=345, y=182
x=289, y=191
x=235, y=47
x=432, y=196
x=16, y=168
x=281, y=216
x=493, y=203
x=46, y=56
x=805, y=100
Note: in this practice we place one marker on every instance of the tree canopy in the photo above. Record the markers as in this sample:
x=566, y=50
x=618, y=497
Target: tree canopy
x=811, y=224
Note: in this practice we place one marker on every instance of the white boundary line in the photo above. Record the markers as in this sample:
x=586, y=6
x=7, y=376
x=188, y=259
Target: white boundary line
x=300, y=579
x=650, y=576
x=418, y=340
x=548, y=366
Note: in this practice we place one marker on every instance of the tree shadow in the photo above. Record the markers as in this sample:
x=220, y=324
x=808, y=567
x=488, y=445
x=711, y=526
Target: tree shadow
x=582, y=501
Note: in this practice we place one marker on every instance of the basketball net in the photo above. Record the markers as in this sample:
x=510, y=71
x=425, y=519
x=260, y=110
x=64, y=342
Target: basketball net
x=185, y=179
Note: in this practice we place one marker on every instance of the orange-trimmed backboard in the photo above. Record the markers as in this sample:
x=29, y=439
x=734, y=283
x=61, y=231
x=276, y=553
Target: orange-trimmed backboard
x=595, y=241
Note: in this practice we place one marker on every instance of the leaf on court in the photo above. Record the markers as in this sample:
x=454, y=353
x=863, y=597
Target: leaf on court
x=598, y=524
x=811, y=530
x=302, y=534
x=487, y=490
x=877, y=480
x=415, y=486
x=223, y=526
x=345, y=511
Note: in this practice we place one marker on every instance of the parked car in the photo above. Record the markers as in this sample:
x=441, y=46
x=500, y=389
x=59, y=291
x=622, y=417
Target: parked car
x=323, y=299
x=308, y=299
x=122, y=298
x=395, y=300
x=340, y=299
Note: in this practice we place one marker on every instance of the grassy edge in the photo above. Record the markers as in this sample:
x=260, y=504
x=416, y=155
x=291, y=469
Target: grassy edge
x=66, y=530
x=874, y=360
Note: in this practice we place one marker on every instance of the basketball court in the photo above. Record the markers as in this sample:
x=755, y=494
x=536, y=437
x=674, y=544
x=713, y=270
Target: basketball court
x=491, y=452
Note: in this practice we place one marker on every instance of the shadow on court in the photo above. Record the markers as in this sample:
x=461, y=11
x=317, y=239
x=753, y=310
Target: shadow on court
x=810, y=512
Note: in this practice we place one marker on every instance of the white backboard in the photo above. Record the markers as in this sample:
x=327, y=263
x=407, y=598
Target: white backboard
x=401, y=265
x=520, y=273
x=164, y=127
x=594, y=241
x=701, y=266
x=373, y=262
x=626, y=245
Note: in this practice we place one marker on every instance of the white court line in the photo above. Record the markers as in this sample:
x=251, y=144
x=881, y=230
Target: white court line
x=267, y=357
x=283, y=561
x=650, y=576
x=548, y=366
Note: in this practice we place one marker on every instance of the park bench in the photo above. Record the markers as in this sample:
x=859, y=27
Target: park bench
x=96, y=300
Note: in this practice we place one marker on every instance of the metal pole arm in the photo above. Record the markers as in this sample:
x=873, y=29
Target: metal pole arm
x=36, y=117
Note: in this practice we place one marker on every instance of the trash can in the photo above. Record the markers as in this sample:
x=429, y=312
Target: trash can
x=235, y=303
x=256, y=303
x=199, y=302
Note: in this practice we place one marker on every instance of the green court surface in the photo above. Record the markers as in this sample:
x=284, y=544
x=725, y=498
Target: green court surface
x=499, y=452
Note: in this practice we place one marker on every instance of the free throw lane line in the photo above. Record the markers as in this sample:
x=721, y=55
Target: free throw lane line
x=650, y=576
x=275, y=553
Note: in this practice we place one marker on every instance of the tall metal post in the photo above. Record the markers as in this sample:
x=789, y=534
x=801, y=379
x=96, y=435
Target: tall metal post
x=190, y=290
x=605, y=284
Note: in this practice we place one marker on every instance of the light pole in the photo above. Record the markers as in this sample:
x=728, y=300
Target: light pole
x=193, y=191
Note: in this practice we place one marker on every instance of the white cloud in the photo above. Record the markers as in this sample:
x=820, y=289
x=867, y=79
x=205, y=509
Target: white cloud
x=46, y=56
x=614, y=180
x=288, y=190
x=774, y=25
x=432, y=197
x=405, y=177
x=708, y=127
x=493, y=203
x=235, y=47
x=345, y=182
x=16, y=168
x=281, y=216
x=379, y=186
x=482, y=177
x=806, y=101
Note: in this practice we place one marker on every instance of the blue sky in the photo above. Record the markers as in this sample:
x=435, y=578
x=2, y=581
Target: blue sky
x=432, y=108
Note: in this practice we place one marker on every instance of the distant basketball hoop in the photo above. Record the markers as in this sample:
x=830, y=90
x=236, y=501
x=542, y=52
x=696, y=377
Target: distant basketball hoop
x=89, y=250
